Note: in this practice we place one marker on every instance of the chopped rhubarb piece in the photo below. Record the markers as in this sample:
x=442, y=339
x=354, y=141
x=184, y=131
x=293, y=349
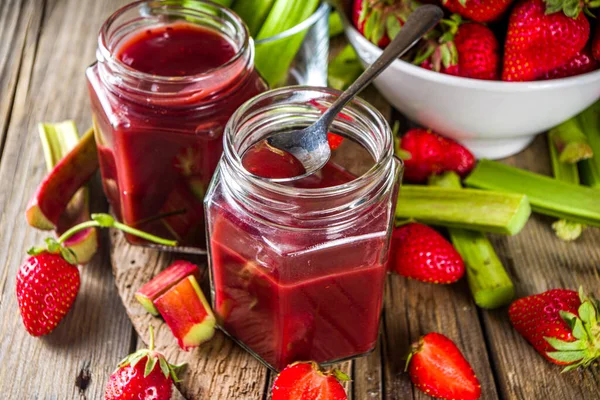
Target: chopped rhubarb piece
x=188, y=314
x=165, y=280
x=61, y=184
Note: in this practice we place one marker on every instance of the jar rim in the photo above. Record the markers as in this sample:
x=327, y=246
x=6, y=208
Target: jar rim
x=234, y=159
x=107, y=54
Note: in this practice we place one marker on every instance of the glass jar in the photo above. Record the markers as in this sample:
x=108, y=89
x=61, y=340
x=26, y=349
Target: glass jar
x=297, y=272
x=160, y=137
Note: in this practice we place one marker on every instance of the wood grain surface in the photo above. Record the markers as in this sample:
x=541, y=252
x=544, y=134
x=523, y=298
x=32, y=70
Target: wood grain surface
x=45, y=46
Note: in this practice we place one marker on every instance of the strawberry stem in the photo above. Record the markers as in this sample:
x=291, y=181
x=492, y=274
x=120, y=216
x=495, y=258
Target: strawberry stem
x=107, y=221
x=151, y=344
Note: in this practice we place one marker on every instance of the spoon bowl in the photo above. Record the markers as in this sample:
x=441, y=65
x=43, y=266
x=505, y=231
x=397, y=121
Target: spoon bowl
x=309, y=145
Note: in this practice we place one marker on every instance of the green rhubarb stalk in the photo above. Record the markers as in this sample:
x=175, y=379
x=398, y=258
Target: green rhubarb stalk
x=254, y=13
x=473, y=209
x=589, y=121
x=547, y=195
x=571, y=143
x=336, y=27
x=566, y=172
x=273, y=58
x=490, y=285
x=344, y=69
x=58, y=139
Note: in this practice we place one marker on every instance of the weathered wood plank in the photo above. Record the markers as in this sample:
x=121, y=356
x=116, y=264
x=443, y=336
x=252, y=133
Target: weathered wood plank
x=75, y=360
x=19, y=23
x=538, y=261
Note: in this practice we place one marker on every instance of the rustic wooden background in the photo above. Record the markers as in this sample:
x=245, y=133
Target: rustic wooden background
x=45, y=46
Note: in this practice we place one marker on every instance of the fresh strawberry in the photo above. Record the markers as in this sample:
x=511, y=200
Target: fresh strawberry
x=334, y=140
x=469, y=50
x=381, y=20
x=458, y=158
x=145, y=374
x=542, y=37
x=437, y=367
x=426, y=153
x=562, y=325
x=582, y=63
x=478, y=10
x=306, y=381
x=47, y=286
x=419, y=252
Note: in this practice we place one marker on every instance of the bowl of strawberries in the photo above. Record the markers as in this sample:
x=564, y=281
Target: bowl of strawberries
x=493, y=73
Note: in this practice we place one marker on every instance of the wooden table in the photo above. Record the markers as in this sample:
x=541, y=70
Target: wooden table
x=45, y=46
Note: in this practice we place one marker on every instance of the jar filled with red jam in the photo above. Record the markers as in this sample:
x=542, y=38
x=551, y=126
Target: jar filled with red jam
x=168, y=78
x=298, y=267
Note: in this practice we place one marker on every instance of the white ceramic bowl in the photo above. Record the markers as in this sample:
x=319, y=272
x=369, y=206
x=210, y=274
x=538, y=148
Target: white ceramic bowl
x=493, y=119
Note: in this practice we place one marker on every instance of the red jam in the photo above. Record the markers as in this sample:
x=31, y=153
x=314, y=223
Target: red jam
x=159, y=143
x=302, y=302
x=178, y=49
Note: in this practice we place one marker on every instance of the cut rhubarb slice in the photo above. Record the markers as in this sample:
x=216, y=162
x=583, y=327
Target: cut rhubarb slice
x=61, y=184
x=188, y=314
x=164, y=281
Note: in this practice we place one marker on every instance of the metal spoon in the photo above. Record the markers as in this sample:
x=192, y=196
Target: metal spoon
x=309, y=145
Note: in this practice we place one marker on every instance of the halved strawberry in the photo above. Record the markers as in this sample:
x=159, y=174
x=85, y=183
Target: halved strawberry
x=306, y=381
x=437, y=367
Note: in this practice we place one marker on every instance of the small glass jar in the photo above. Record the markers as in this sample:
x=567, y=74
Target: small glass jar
x=160, y=137
x=298, y=273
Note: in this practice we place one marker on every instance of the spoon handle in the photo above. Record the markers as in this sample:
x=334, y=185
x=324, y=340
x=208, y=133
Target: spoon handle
x=418, y=24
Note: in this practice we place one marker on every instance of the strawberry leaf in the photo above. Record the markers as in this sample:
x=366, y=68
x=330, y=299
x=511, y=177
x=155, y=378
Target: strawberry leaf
x=34, y=251
x=568, y=317
x=68, y=255
x=587, y=313
x=363, y=11
x=392, y=26
x=175, y=369
x=567, y=356
x=553, y=6
x=578, y=330
x=134, y=358
x=164, y=366
x=572, y=8
x=341, y=376
x=150, y=364
x=562, y=345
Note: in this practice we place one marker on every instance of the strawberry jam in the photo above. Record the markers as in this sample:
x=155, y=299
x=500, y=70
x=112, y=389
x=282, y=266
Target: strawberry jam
x=298, y=267
x=161, y=95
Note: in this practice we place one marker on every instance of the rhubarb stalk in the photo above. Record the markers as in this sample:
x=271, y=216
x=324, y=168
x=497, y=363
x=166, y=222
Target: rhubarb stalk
x=473, y=209
x=571, y=143
x=547, y=195
x=566, y=172
x=590, y=124
x=60, y=185
x=490, y=285
x=57, y=141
